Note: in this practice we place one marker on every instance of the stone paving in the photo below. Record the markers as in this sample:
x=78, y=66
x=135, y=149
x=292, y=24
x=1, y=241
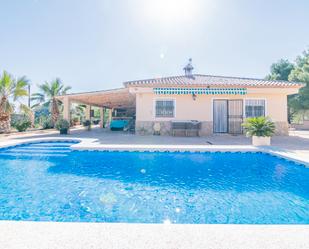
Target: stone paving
x=296, y=145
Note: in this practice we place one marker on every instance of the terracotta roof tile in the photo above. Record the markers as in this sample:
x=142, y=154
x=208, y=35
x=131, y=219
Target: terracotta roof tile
x=211, y=80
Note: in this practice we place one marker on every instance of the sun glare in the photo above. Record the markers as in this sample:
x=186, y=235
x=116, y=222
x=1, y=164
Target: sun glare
x=171, y=11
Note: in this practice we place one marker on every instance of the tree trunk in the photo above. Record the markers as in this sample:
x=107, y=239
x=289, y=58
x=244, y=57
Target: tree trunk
x=5, y=122
x=32, y=118
x=55, y=111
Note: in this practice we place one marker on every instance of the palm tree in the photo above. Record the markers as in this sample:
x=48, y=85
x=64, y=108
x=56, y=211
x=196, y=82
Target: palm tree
x=11, y=90
x=47, y=96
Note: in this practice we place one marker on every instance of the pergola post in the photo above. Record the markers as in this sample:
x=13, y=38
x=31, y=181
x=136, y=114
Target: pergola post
x=101, y=117
x=110, y=115
x=66, y=108
x=88, y=112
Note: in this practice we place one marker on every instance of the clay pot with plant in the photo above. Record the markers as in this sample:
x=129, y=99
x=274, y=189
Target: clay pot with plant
x=261, y=129
x=87, y=124
x=63, y=126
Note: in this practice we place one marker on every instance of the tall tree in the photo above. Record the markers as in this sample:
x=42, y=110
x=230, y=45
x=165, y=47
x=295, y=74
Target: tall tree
x=280, y=70
x=300, y=102
x=47, y=96
x=11, y=91
x=298, y=72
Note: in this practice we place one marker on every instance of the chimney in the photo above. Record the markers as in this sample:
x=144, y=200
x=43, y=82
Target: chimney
x=188, y=69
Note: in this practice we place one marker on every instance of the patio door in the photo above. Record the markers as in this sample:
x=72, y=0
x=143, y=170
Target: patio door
x=220, y=116
x=235, y=116
x=227, y=116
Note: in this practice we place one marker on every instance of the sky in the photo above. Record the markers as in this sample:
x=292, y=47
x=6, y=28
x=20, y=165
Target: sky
x=98, y=44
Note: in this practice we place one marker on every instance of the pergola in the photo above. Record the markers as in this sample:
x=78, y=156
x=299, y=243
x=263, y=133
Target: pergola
x=106, y=99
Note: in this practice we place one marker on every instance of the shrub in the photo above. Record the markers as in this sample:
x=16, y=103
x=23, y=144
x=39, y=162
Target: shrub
x=259, y=126
x=22, y=125
x=96, y=121
x=48, y=124
x=62, y=124
x=75, y=119
x=15, y=118
x=87, y=123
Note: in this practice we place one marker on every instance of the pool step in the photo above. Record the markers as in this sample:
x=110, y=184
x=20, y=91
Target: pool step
x=56, y=144
x=16, y=155
x=52, y=149
x=22, y=150
x=44, y=147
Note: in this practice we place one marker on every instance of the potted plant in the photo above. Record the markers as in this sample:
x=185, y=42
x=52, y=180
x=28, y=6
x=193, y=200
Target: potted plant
x=260, y=129
x=87, y=124
x=96, y=121
x=63, y=126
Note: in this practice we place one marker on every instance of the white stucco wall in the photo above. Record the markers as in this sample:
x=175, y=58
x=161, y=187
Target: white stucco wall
x=201, y=109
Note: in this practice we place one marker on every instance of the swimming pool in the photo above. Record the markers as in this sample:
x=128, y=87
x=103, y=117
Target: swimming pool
x=50, y=182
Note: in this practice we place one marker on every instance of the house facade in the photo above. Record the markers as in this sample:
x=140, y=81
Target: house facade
x=219, y=103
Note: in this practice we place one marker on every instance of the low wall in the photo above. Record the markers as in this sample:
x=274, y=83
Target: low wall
x=146, y=128
x=303, y=126
x=282, y=128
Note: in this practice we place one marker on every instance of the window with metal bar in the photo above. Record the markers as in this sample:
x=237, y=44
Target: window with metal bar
x=165, y=108
x=255, y=108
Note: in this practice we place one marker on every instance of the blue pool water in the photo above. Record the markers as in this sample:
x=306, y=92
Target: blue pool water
x=50, y=182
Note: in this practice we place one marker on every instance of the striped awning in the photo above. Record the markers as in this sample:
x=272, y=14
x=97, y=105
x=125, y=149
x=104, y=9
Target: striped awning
x=207, y=91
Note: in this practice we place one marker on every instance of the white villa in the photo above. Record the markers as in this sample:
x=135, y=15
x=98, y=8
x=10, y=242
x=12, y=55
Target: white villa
x=218, y=103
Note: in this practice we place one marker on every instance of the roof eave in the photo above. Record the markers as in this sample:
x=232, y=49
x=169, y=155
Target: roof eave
x=213, y=85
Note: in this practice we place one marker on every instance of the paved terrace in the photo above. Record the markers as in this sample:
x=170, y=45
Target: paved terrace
x=54, y=235
x=295, y=146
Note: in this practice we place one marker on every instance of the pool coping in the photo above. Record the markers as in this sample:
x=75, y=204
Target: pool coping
x=56, y=235
x=88, y=144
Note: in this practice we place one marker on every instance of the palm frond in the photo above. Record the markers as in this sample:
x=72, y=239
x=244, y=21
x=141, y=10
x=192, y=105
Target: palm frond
x=11, y=89
x=45, y=89
x=25, y=109
x=65, y=90
x=47, y=103
x=39, y=97
x=35, y=106
x=47, y=93
x=7, y=79
x=20, y=88
x=56, y=86
x=20, y=93
x=22, y=82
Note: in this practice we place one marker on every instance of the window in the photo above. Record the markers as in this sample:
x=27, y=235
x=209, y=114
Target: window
x=255, y=108
x=165, y=108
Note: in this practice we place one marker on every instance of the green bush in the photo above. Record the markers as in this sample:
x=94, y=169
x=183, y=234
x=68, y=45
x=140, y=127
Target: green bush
x=47, y=124
x=96, y=121
x=62, y=124
x=259, y=126
x=15, y=118
x=22, y=125
x=75, y=119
